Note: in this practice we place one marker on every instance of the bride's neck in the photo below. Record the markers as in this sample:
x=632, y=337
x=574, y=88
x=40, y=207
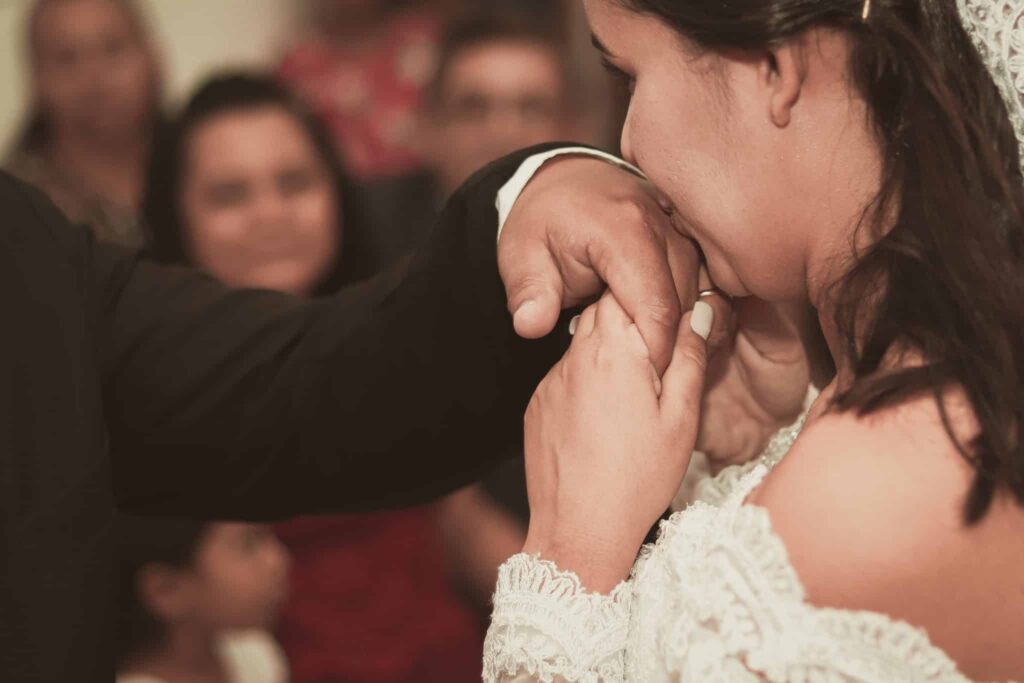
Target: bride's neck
x=837, y=345
x=841, y=342
x=829, y=263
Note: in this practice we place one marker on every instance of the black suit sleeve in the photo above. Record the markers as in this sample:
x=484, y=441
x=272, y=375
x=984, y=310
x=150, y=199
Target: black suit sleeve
x=248, y=404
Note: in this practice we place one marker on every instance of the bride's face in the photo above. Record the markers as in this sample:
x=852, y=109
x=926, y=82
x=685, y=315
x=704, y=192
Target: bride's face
x=766, y=178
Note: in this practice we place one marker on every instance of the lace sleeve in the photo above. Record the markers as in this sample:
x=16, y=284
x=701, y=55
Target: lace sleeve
x=717, y=600
x=546, y=627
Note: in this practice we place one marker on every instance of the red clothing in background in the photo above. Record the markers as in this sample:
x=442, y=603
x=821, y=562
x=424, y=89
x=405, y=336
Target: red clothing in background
x=370, y=603
x=369, y=99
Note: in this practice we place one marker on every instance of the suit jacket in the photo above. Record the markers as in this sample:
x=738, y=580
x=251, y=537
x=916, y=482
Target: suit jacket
x=125, y=384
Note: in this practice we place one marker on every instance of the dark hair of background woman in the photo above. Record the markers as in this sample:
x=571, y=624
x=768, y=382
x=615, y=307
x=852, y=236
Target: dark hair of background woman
x=947, y=278
x=161, y=207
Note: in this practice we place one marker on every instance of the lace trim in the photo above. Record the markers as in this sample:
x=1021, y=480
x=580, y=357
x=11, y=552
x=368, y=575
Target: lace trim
x=547, y=625
x=718, y=489
x=997, y=29
x=738, y=608
x=716, y=599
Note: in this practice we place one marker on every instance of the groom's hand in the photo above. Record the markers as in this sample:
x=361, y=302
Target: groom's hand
x=581, y=223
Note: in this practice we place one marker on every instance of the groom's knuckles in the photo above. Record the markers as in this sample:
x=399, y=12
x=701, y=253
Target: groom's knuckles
x=638, y=272
x=631, y=213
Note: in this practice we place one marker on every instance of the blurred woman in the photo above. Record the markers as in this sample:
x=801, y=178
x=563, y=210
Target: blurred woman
x=246, y=186
x=95, y=84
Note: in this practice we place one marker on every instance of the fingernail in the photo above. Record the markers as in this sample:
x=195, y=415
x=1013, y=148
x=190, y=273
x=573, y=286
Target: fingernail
x=573, y=324
x=701, y=319
x=524, y=307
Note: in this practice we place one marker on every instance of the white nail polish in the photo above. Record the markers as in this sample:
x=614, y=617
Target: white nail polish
x=573, y=324
x=701, y=319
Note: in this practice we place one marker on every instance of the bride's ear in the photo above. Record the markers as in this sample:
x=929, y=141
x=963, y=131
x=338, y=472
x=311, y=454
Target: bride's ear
x=784, y=72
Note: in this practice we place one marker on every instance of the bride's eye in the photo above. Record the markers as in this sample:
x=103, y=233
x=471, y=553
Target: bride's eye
x=619, y=74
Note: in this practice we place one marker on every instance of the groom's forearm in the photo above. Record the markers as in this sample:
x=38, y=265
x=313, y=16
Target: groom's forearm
x=255, y=405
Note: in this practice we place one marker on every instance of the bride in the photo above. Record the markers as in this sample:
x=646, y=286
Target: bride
x=859, y=155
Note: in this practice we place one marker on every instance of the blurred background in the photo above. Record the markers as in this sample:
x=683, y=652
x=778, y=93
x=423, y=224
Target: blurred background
x=300, y=146
x=195, y=37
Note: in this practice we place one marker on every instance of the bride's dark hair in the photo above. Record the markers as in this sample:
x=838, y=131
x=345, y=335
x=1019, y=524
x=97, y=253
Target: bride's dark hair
x=946, y=280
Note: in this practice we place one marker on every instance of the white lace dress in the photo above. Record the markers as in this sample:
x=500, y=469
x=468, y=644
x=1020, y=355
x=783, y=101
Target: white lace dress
x=714, y=600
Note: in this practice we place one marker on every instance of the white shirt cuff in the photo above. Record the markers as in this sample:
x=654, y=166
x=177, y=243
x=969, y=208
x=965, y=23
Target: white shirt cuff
x=510, y=191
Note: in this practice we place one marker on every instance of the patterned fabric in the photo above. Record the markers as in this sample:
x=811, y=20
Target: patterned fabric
x=997, y=29
x=714, y=600
x=369, y=101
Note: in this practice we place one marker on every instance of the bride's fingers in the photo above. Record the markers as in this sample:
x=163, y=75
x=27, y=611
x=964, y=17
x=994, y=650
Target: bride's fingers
x=582, y=325
x=614, y=327
x=725, y=318
x=683, y=382
x=611, y=317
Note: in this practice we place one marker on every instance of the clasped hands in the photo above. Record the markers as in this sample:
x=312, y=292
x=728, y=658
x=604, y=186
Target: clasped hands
x=610, y=430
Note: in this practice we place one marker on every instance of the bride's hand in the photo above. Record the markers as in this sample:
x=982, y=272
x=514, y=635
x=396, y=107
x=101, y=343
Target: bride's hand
x=607, y=442
x=758, y=374
x=581, y=223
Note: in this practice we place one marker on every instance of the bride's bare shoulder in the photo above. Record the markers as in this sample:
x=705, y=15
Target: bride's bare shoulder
x=871, y=512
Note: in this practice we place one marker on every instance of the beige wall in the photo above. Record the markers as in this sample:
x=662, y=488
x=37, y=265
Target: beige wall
x=195, y=36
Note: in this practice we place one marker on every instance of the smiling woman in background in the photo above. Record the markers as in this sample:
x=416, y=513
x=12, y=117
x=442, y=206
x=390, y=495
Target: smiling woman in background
x=250, y=213
x=95, y=83
x=369, y=599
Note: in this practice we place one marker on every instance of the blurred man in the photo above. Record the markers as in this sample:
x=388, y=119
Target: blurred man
x=501, y=84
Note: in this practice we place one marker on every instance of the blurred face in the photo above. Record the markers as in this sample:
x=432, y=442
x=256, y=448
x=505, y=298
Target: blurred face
x=93, y=73
x=239, y=579
x=767, y=186
x=258, y=203
x=496, y=98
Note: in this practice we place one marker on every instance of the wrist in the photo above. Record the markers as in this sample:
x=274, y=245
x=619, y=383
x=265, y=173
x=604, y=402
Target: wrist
x=600, y=562
x=515, y=187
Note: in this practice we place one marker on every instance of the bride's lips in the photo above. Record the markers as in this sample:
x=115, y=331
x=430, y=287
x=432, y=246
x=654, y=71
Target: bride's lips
x=727, y=281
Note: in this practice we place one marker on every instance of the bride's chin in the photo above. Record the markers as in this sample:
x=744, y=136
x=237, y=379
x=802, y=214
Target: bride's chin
x=717, y=269
x=726, y=280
